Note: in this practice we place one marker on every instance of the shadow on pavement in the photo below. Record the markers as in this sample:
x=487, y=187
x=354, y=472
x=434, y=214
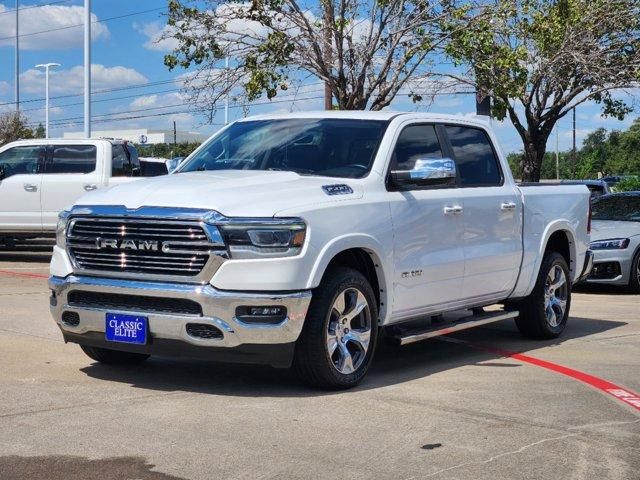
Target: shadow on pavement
x=64, y=467
x=392, y=365
x=27, y=257
x=596, y=288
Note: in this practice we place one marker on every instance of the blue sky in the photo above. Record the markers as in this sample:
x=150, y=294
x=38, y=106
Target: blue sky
x=128, y=62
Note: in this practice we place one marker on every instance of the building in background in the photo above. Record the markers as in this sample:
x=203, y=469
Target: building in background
x=143, y=136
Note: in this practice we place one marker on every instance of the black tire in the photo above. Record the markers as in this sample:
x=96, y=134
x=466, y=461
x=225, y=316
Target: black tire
x=634, y=276
x=532, y=321
x=312, y=360
x=113, y=357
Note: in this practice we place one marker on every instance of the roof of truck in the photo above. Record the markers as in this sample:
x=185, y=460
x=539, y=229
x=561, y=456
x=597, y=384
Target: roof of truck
x=369, y=115
x=66, y=141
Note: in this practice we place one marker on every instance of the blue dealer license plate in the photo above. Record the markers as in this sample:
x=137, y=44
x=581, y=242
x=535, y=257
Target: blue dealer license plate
x=126, y=328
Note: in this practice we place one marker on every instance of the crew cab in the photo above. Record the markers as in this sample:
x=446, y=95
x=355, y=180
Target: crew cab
x=299, y=239
x=39, y=178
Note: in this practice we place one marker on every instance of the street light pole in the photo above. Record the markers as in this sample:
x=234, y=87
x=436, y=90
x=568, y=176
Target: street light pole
x=17, y=65
x=46, y=67
x=87, y=68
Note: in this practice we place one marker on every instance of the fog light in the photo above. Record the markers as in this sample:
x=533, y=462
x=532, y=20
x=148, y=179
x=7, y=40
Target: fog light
x=271, y=315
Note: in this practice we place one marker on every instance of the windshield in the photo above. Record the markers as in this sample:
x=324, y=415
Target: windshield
x=326, y=147
x=617, y=207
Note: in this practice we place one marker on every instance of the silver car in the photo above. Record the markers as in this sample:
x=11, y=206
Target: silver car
x=615, y=240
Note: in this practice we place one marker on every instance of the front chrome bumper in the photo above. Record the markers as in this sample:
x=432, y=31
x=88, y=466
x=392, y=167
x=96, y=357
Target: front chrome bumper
x=218, y=310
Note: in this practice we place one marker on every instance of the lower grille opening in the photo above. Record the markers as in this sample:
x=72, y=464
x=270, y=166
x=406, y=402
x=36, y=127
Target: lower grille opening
x=605, y=271
x=71, y=319
x=138, y=303
x=203, y=330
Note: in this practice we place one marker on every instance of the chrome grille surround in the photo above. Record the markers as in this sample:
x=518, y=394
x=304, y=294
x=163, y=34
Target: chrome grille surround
x=153, y=243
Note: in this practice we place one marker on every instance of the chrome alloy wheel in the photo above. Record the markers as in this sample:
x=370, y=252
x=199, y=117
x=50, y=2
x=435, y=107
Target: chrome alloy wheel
x=556, y=292
x=349, y=331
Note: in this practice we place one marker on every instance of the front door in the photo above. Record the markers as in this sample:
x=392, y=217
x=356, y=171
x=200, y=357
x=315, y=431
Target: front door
x=20, y=183
x=427, y=229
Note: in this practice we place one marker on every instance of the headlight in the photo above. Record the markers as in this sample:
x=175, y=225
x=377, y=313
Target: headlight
x=268, y=239
x=61, y=229
x=610, y=244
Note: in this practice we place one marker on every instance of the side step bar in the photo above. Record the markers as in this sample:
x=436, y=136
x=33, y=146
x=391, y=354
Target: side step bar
x=405, y=337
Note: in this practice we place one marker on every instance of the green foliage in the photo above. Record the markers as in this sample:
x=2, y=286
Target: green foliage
x=164, y=150
x=13, y=126
x=538, y=59
x=39, y=132
x=602, y=152
x=631, y=184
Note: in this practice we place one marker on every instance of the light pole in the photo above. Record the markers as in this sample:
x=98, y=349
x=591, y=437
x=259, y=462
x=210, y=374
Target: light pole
x=87, y=68
x=46, y=67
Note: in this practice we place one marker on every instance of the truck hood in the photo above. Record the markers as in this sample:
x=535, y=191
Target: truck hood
x=233, y=193
x=604, y=229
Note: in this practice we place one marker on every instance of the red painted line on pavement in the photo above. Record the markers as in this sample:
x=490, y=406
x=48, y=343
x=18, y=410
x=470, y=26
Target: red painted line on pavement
x=23, y=274
x=622, y=394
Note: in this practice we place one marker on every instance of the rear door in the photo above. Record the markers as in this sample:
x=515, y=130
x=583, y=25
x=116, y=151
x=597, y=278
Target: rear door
x=70, y=171
x=427, y=230
x=20, y=188
x=492, y=216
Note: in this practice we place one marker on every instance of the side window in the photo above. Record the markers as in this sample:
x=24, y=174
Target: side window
x=72, y=159
x=120, y=165
x=416, y=142
x=133, y=157
x=21, y=160
x=475, y=158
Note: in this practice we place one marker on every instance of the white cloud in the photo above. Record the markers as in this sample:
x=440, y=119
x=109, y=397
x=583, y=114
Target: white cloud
x=4, y=87
x=71, y=80
x=49, y=17
x=154, y=31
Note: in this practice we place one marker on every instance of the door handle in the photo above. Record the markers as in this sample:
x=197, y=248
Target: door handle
x=30, y=187
x=455, y=210
x=507, y=206
x=90, y=186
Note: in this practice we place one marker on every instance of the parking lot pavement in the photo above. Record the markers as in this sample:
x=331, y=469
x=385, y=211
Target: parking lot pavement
x=438, y=409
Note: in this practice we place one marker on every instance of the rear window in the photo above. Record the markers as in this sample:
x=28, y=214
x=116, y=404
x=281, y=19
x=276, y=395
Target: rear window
x=475, y=159
x=72, y=159
x=624, y=208
x=153, y=169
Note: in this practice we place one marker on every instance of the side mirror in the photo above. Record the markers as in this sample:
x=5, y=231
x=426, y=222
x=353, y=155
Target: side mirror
x=427, y=171
x=136, y=171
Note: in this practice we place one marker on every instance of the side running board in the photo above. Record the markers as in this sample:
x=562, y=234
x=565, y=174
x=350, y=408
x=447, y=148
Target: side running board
x=407, y=336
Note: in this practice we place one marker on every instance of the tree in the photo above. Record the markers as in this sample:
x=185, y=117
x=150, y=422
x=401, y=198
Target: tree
x=539, y=59
x=366, y=52
x=39, y=132
x=13, y=126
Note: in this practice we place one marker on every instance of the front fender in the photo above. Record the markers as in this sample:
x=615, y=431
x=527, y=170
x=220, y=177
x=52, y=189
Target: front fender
x=382, y=256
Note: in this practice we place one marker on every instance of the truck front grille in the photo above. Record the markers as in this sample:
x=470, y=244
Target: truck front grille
x=159, y=248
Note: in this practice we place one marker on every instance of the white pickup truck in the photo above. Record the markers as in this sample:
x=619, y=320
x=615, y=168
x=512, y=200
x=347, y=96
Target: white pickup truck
x=39, y=178
x=300, y=239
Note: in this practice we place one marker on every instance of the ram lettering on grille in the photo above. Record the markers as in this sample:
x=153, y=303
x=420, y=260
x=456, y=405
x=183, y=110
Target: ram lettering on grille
x=153, y=247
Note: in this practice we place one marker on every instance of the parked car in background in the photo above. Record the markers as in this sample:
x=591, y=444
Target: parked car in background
x=596, y=187
x=299, y=248
x=39, y=178
x=615, y=240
